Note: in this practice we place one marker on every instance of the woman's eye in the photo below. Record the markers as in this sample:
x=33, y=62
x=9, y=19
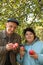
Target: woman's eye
x=31, y=34
x=26, y=34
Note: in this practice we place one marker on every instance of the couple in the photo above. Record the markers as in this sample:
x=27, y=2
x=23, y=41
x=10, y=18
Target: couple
x=8, y=55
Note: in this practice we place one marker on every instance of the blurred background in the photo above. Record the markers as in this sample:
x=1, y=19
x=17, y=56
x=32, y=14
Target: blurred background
x=27, y=12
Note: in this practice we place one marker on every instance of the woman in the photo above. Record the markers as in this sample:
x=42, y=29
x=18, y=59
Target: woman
x=34, y=49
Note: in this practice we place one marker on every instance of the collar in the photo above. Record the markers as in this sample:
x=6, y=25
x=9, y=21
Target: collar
x=5, y=35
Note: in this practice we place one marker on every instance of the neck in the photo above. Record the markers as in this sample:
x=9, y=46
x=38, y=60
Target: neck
x=29, y=43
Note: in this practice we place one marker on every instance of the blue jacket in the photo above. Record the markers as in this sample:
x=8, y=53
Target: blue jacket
x=37, y=46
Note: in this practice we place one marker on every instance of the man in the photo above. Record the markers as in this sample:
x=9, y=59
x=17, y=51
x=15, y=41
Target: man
x=8, y=37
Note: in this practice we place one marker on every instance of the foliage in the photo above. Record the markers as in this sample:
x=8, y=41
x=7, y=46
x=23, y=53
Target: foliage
x=21, y=9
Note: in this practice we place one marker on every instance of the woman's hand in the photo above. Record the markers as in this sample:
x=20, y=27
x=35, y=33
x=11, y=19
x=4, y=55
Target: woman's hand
x=35, y=56
x=22, y=51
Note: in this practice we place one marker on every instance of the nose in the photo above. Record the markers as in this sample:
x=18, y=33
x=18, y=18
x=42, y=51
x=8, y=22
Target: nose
x=12, y=29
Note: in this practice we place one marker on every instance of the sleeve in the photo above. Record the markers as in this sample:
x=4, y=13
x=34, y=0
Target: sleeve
x=3, y=49
x=2, y=46
x=40, y=56
x=20, y=61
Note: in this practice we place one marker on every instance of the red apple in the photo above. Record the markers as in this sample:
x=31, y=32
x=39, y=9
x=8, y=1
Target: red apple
x=22, y=48
x=31, y=52
x=16, y=44
x=14, y=47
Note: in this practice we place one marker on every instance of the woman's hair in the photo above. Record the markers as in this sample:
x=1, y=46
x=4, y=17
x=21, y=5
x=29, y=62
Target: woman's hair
x=29, y=29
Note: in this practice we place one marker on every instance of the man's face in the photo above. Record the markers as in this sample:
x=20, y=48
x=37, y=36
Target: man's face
x=10, y=27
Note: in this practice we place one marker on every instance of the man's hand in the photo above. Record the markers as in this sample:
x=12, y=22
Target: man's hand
x=9, y=46
x=15, y=46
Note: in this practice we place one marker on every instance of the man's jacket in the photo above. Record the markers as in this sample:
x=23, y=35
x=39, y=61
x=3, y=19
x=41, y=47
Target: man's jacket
x=4, y=39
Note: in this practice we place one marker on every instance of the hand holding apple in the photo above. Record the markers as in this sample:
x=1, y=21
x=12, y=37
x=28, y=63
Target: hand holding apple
x=9, y=46
x=22, y=51
x=15, y=46
x=31, y=52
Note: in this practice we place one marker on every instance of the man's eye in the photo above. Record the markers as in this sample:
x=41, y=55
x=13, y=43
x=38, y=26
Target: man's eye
x=10, y=26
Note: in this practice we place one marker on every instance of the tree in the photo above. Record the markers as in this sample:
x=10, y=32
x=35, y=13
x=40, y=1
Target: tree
x=23, y=10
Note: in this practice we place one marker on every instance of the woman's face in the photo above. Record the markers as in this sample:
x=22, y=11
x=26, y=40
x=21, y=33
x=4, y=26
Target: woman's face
x=29, y=37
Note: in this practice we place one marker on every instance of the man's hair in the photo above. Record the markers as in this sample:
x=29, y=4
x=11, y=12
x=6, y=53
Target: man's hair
x=13, y=20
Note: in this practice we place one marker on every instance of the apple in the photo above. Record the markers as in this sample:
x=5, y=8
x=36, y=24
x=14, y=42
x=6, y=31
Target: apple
x=14, y=47
x=31, y=52
x=16, y=44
